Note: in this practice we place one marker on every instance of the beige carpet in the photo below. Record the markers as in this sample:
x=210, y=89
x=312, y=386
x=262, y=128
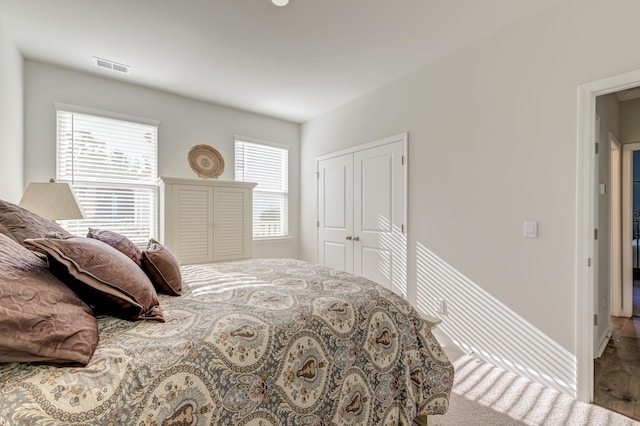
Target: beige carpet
x=487, y=395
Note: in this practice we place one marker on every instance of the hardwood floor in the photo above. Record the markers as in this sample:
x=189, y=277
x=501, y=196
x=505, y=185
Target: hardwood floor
x=617, y=372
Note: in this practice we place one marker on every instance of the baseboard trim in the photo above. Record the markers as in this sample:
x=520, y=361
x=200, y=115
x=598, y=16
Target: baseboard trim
x=603, y=344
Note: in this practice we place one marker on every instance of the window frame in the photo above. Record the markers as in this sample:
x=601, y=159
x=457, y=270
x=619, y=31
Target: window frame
x=148, y=186
x=286, y=194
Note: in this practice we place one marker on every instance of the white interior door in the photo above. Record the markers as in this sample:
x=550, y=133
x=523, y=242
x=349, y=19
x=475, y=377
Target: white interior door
x=335, y=215
x=378, y=241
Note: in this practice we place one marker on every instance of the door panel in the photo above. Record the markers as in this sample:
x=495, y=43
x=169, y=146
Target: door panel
x=335, y=255
x=375, y=193
x=335, y=210
x=193, y=213
x=379, y=243
x=375, y=264
x=230, y=230
x=335, y=201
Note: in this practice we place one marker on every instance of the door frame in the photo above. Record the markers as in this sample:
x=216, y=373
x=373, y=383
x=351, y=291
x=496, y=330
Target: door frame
x=586, y=203
x=626, y=296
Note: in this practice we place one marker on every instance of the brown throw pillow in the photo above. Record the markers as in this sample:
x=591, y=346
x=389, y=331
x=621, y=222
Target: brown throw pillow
x=19, y=224
x=118, y=242
x=102, y=276
x=41, y=319
x=162, y=268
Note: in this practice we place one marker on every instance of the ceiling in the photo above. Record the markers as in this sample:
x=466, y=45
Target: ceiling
x=293, y=63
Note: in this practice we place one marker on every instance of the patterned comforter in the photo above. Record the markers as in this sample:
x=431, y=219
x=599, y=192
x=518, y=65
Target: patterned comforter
x=262, y=342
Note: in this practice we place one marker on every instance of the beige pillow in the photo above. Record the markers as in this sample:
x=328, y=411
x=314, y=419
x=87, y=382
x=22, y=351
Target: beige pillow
x=41, y=319
x=102, y=276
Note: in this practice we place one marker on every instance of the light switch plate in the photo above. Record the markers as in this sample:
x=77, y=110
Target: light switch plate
x=530, y=229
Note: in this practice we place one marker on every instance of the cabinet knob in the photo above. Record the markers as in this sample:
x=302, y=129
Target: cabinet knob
x=349, y=237
x=356, y=238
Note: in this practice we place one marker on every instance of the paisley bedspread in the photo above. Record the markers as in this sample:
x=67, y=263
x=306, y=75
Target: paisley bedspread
x=261, y=342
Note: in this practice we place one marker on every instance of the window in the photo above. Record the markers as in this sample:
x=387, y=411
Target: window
x=112, y=165
x=268, y=166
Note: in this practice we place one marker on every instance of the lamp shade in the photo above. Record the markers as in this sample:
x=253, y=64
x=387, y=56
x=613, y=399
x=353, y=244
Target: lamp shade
x=52, y=200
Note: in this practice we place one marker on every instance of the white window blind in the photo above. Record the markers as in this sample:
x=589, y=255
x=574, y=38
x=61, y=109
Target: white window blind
x=268, y=166
x=112, y=165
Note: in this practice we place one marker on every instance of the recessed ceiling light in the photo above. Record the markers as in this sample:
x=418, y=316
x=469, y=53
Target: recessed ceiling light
x=280, y=3
x=110, y=65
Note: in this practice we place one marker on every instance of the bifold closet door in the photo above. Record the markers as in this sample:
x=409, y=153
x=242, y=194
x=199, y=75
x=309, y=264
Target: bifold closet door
x=379, y=248
x=335, y=212
x=361, y=203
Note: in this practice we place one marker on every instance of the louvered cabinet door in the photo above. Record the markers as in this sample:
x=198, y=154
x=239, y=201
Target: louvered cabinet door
x=193, y=223
x=232, y=230
x=205, y=221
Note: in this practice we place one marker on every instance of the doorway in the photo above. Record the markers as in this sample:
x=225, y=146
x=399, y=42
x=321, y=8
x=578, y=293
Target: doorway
x=616, y=169
x=635, y=228
x=587, y=203
x=630, y=217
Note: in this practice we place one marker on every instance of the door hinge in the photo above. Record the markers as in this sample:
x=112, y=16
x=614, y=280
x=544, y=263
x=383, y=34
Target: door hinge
x=318, y=224
x=402, y=228
x=595, y=234
x=589, y=262
x=317, y=175
x=597, y=147
x=402, y=160
x=595, y=319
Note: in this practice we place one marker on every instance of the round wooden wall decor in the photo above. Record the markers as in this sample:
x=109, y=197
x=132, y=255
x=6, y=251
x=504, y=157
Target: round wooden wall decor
x=206, y=161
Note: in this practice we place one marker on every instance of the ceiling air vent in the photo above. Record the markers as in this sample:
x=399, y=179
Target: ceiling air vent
x=110, y=65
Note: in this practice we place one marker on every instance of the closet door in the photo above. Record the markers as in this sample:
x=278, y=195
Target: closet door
x=335, y=215
x=379, y=243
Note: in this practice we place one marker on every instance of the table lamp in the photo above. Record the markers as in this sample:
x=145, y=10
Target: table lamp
x=52, y=200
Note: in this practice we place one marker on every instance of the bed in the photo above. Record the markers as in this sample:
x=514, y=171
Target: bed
x=259, y=342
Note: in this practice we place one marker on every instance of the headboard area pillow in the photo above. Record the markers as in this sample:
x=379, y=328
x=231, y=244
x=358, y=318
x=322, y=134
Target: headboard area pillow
x=102, y=276
x=162, y=268
x=118, y=242
x=19, y=224
x=41, y=319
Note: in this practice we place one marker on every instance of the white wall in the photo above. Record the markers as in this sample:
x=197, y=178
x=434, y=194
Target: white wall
x=11, y=120
x=493, y=142
x=183, y=123
x=630, y=121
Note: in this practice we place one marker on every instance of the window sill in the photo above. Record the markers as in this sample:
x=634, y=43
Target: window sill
x=274, y=240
